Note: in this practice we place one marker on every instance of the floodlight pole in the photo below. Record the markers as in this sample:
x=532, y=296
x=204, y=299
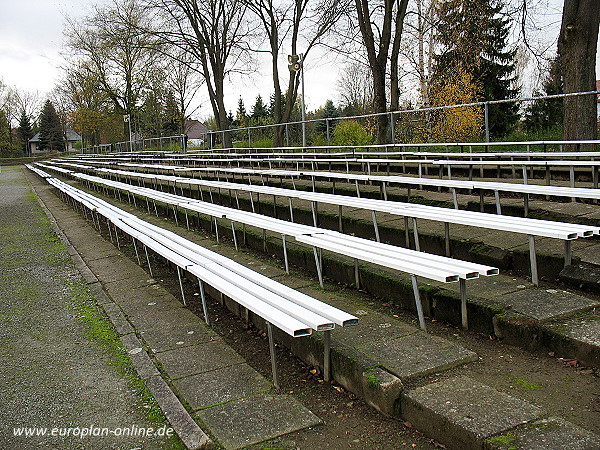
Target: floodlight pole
x=303, y=103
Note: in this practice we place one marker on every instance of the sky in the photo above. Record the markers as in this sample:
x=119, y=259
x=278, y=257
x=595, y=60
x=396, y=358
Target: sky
x=31, y=38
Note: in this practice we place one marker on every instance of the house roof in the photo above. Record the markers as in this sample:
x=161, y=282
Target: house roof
x=71, y=137
x=195, y=129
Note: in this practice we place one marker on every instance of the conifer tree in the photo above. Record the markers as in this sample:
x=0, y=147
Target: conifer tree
x=547, y=113
x=473, y=37
x=329, y=112
x=241, y=116
x=24, y=132
x=259, y=109
x=51, y=133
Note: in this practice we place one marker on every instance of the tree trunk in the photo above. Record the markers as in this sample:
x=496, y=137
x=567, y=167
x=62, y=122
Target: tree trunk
x=577, y=45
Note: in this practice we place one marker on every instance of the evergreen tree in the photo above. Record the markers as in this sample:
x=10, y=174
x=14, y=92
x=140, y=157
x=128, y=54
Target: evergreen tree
x=259, y=109
x=24, y=132
x=329, y=112
x=473, y=36
x=547, y=113
x=172, y=123
x=241, y=116
x=51, y=132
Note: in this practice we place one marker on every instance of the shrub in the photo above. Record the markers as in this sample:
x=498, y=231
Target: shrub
x=350, y=132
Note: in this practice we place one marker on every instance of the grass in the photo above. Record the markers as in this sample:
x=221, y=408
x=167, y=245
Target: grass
x=102, y=331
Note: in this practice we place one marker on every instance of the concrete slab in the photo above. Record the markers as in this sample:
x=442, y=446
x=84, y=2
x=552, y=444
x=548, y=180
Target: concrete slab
x=196, y=359
x=461, y=412
x=419, y=354
x=140, y=359
x=160, y=338
x=165, y=320
x=132, y=289
x=222, y=385
x=186, y=428
x=372, y=331
x=256, y=419
x=489, y=287
x=545, y=434
x=543, y=304
x=150, y=305
x=112, y=269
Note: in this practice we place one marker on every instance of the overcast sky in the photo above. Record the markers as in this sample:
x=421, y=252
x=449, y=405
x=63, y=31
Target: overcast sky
x=31, y=36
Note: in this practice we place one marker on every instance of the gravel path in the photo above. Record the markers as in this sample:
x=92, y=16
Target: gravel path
x=56, y=368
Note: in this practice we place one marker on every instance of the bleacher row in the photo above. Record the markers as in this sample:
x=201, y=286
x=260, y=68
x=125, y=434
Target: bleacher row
x=415, y=263
x=530, y=227
x=291, y=311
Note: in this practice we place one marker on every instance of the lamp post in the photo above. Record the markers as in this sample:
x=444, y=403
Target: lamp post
x=295, y=64
x=127, y=118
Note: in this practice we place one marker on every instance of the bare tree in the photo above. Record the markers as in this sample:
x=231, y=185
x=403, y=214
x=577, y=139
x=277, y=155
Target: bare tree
x=215, y=33
x=355, y=88
x=116, y=52
x=381, y=24
x=577, y=47
x=184, y=82
x=302, y=25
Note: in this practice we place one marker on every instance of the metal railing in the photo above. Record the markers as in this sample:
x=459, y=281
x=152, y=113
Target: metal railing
x=176, y=143
x=293, y=129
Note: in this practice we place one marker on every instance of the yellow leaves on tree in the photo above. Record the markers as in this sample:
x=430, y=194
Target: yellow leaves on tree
x=457, y=124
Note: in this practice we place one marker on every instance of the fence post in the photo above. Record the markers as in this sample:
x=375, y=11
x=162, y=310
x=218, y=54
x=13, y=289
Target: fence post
x=487, y=122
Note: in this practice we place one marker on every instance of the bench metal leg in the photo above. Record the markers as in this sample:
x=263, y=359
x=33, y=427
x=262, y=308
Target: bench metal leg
x=313, y=207
x=235, y=242
x=318, y=265
x=181, y=286
x=216, y=228
x=137, y=255
x=117, y=238
x=203, y=298
x=406, y=232
x=417, y=295
x=384, y=190
x=377, y=238
x=340, y=219
x=447, y=238
x=481, y=201
x=291, y=209
x=525, y=204
x=252, y=202
x=568, y=253
x=285, y=255
x=327, y=355
x=273, y=355
x=416, y=234
x=533, y=261
x=357, y=189
x=356, y=273
x=175, y=214
x=148, y=261
x=498, y=207
x=454, y=198
x=463, y=303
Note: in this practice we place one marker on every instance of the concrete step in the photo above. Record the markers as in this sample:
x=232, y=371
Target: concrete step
x=465, y=414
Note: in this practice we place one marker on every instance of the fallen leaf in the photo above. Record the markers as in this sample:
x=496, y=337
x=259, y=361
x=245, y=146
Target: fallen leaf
x=408, y=424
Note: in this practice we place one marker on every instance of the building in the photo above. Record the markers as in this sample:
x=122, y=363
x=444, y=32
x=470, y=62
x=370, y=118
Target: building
x=195, y=131
x=71, y=139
